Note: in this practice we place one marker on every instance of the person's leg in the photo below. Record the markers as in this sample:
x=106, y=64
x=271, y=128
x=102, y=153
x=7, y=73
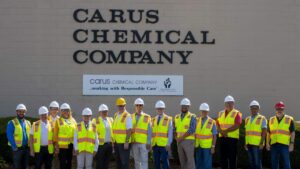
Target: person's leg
x=285, y=156
x=188, y=148
x=198, y=158
x=144, y=156
x=136, y=156
x=274, y=157
x=118, y=155
x=17, y=159
x=181, y=155
x=232, y=154
x=62, y=158
x=223, y=153
x=80, y=160
x=156, y=157
x=24, y=158
x=89, y=160
x=164, y=157
x=48, y=162
x=256, y=157
x=124, y=156
x=69, y=156
x=206, y=158
x=100, y=157
x=250, y=157
x=38, y=160
x=107, y=155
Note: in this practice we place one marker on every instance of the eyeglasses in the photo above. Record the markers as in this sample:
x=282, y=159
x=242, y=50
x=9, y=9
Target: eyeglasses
x=121, y=106
x=139, y=105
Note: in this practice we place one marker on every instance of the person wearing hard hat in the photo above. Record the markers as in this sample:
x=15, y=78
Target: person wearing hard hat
x=53, y=112
x=162, y=137
x=141, y=135
x=280, y=137
x=85, y=140
x=17, y=133
x=105, y=137
x=206, y=137
x=256, y=131
x=185, y=126
x=41, y=140
x=122, y=127
x=63, y=137
x=228, y=124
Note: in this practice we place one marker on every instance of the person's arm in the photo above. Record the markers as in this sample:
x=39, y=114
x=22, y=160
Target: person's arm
x=75, y=142
x=237, y=123
x=128, y=127
x=170, y=133
x=10, y=135
x=264, y=131
x=292, y=131
x=96, y=143
x=192, y=128
x=31, y=140
x=149, y=132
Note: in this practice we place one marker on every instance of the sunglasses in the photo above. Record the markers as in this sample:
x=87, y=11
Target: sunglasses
x=139, y=105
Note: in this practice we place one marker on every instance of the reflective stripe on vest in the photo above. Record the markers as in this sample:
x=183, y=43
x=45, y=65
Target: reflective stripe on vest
x=119, y=127
x=279, y=132
x=182, y=126
x=65, y=133
x=229, y=121
x=101, y=130
x=160, y=131
x=140, y=128
x=203, y=134
x=37, y=136
x=86, y=137
x=18, y=133
x=253, y=130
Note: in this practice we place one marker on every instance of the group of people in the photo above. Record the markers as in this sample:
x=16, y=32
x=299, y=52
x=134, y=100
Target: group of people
x=137, y=133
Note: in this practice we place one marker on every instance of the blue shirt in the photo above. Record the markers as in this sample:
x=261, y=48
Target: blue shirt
x=170, y=130
x=263, y=124
x=214, y=128
x=193, y=122
x=10, y=130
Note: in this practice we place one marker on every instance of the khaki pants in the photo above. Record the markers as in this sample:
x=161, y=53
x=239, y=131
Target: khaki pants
x=186, y=154
x=140, y=155
x=84, y=160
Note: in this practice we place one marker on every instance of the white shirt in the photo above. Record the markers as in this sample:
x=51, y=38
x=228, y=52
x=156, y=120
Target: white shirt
x=128, y=121
x=107, y=132
x=75, y=143
x=44, y=133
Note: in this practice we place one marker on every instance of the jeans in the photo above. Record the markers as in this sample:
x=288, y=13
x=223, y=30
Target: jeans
x=43, y=157
x=20, y=158
x=160, y=154
x=203, y=158
x=254, y=156
x=280, y=151
x=103, y=156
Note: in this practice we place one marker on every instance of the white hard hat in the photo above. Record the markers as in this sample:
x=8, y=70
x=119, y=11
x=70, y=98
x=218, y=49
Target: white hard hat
x=229, y=99
x=21, y=107
x=160, y=104
x=65, y=106
x=185, y=102
x=54, y=104
x=87, y=111
x=204, y=107
x=139, y=101
x=43, y=110
x=103, y=107
x=254, y=103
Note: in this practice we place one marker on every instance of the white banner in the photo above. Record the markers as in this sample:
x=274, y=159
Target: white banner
x=132, y=85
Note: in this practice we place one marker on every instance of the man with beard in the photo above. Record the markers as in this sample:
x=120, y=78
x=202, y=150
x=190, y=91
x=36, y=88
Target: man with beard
x=18, y=138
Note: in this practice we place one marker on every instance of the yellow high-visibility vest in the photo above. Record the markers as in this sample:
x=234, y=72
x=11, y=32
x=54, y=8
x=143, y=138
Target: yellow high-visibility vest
x=86, y=137
x=18, y=133
x=160, y=131
x=140, y=128
x=119, y=127
x=229, y=121
x=50, y=118
x=182, y=126
x=37, y=136
x=204, y=135
x=279, y=132
x=101, y=130
x=253, y=130
x=65, y=132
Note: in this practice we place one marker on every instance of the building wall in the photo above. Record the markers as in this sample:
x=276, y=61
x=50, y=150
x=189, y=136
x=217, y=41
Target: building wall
x=255, y=55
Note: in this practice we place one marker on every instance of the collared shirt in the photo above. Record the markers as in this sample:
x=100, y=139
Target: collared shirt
x=44, y=133
x=170, y=129
x=193, y=122
x=263, y=124
x=214, y=128
x=10, y=130
x=128, y=121
x=149, y=132
x=107, y=130
x=75, y=143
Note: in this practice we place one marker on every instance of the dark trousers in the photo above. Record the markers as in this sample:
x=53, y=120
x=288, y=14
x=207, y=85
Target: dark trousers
x=122, y=156
x=254, y=155
x=160, y=154
x=65, y=157
x=21, y=157
x=228, y=150
x=43, y=157
x=103, y=156
x=280, y=152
